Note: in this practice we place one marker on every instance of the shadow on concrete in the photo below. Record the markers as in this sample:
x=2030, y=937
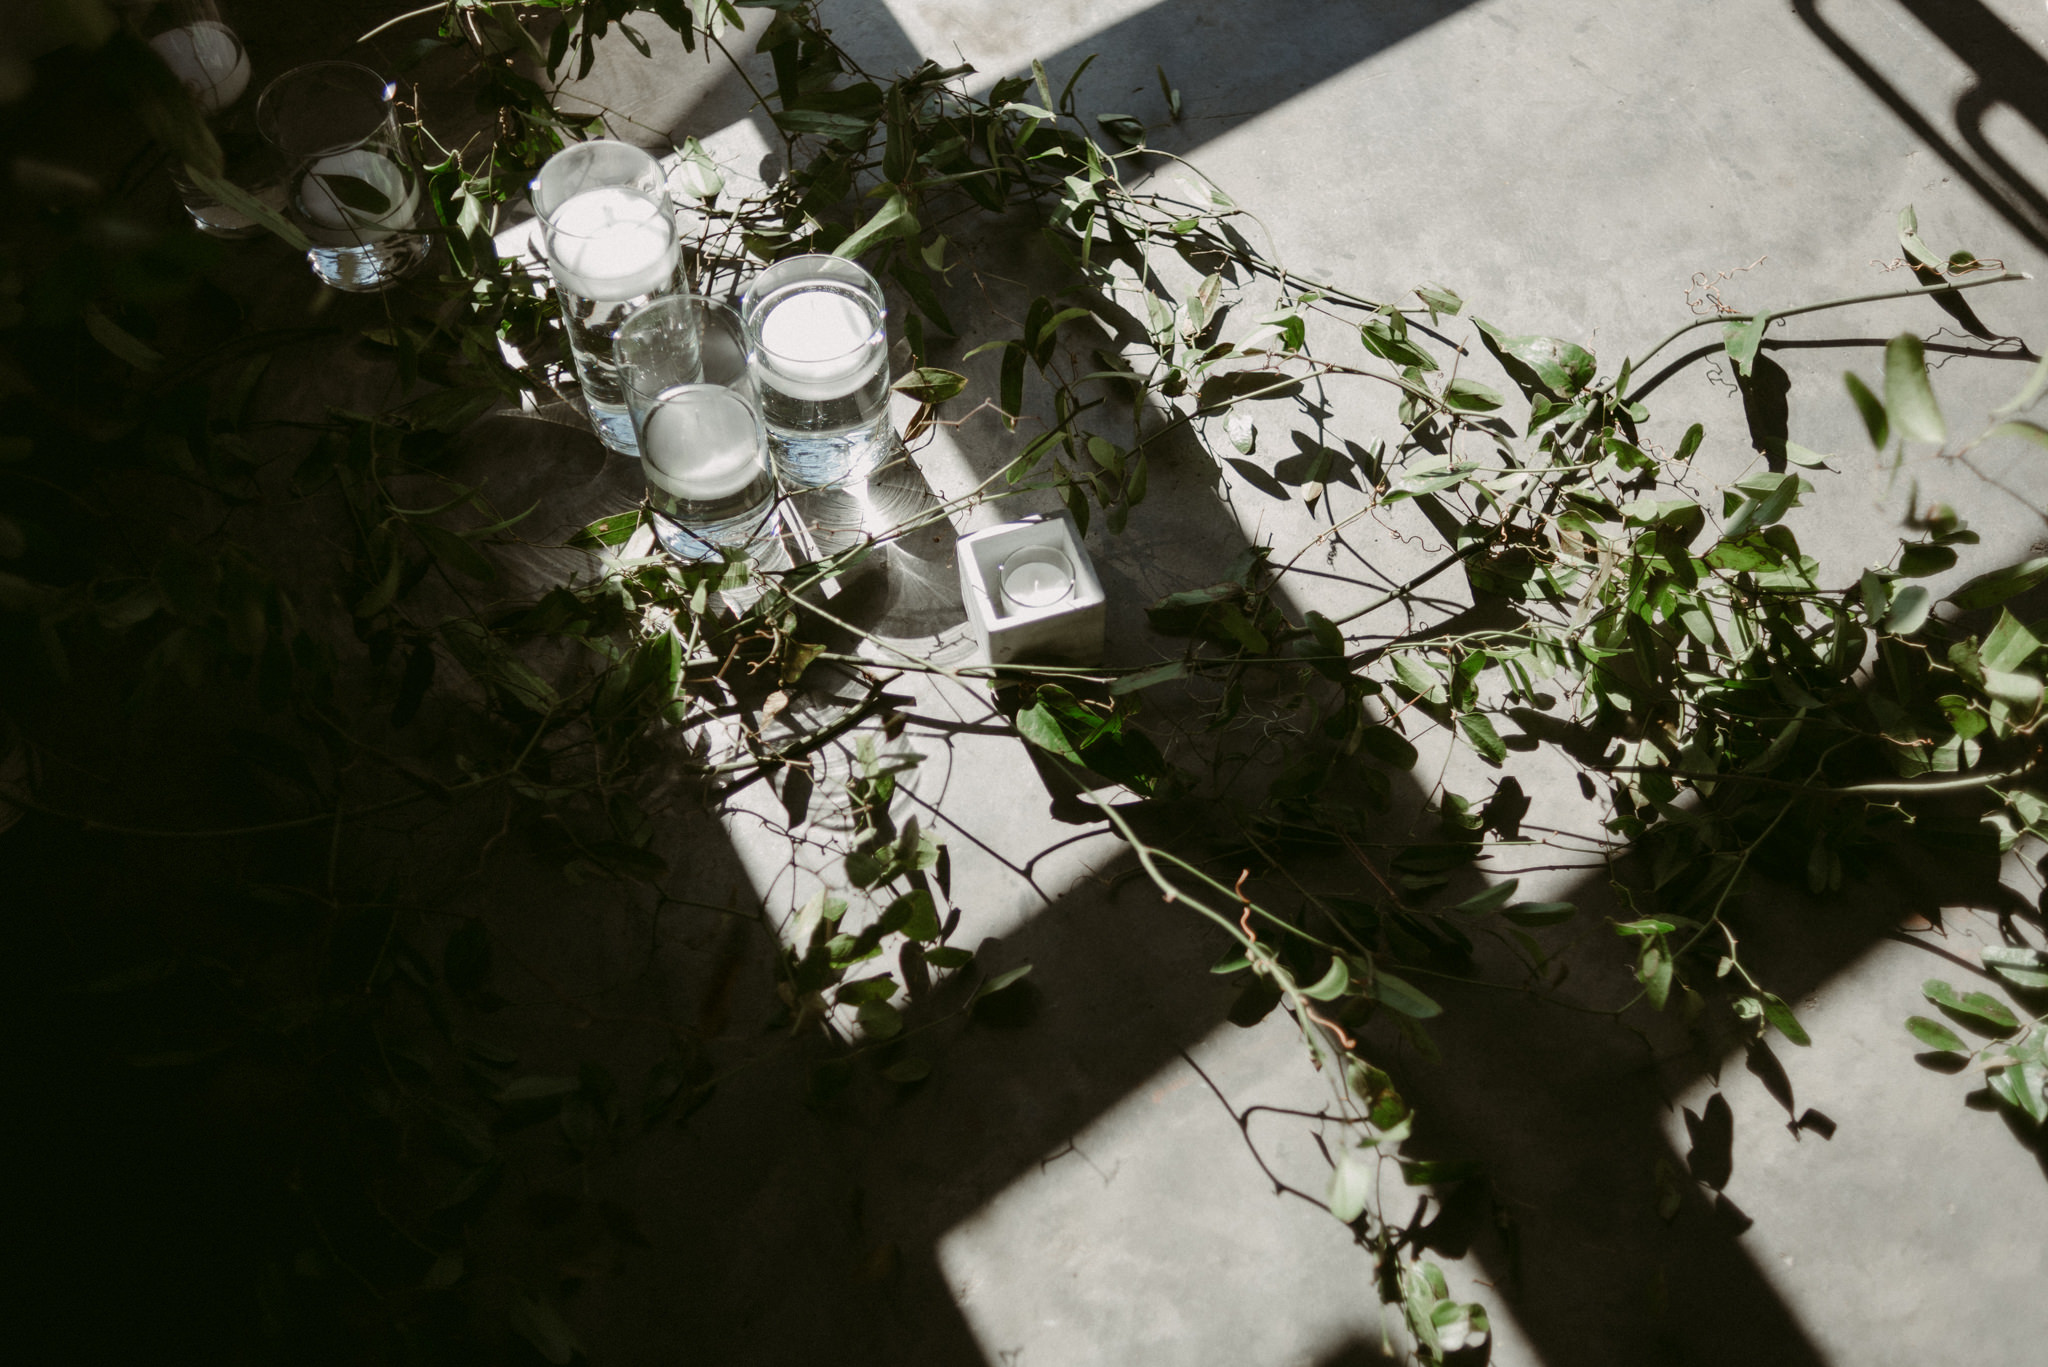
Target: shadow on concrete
x=2009, y=73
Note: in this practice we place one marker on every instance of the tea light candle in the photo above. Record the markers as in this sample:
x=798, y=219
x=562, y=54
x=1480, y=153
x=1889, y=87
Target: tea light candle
x=612, y=244
x=1036, y=577
x=208, y=61
x=817, y=343
x=702, y=444
x=322, y=204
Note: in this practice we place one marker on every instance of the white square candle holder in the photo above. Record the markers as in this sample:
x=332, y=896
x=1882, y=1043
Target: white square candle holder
x=1069, y=627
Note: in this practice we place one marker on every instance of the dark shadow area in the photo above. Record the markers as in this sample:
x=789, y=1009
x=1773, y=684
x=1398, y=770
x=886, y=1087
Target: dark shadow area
x=2009, y=72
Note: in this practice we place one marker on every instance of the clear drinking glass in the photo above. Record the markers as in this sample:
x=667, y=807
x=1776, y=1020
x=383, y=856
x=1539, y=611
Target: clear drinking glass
x=612, y=245
x=351, y=185
x=703, y=448
x=206, y=55
x=821, y=357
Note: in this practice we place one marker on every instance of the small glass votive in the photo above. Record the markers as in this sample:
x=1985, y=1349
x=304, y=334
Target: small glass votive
x=611, y=248
x=351, y=185
x=703, y=447
x=1035, y=577
x=194, y=40
x=821, y=353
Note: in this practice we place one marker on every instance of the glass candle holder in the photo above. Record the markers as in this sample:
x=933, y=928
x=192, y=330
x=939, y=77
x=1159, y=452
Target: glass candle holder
x=1034, y=577
x=350, y=183
x=193, y=39
x=612, y=245
x=703, y=448
x=821, y=357
x=593, y=165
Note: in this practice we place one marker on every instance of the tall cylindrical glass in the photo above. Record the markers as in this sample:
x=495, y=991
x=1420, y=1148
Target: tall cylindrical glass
x=611, y=247
x=350, y=182
x=703, y=447
x=193, y=39
x=821, y=358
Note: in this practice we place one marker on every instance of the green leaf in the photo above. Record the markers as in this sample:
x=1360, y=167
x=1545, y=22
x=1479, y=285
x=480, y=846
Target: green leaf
x=1935, y=1035
x=1741, y=341
x=928, y=384
x=1037, y=724
x=908, y=1070
x=1332, y=984
x=615, y=530
x=1470, y=396
x=1690, y=443
x=1988, y=590
x=1558, y=367
x=1001, y=981
x=1479, y=733
x=2021, y=967
x=1539, y=913
x=879, y=1019
x=2019, y=1086
x=1909, y=609
x=1980, y=1005
x=541, y=1325
x=526, y=1090
x=1907, y=395
x=893, y=219
x=1403, y=996
x=1875, y=421
x=1351, y=1185
x=1646, y=927
x=1780, y=1015
x=946, y=956
x=121, y=342
x=2030, y=393
x=1124, y=128
x=2026, y=431
x=1439, y=300
x=1134, y=683
x=1489, y=901
x=455, y=552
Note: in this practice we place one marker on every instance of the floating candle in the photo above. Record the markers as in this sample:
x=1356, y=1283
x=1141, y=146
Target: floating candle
x=208, y=61
x=702, y=443
x=819, y=344
x=391, y=203
x=612, y=244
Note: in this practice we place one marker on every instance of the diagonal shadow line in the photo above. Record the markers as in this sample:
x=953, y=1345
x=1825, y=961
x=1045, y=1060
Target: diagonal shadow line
x=1268, y=63
x=1566, y=1120
x=2008, y=71
x=1570, y=1143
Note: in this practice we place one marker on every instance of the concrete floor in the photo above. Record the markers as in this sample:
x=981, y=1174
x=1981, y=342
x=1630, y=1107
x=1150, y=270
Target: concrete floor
x=1074, y=1192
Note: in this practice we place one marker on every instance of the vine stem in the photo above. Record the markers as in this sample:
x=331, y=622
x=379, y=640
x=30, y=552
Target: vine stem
x=1945, y=287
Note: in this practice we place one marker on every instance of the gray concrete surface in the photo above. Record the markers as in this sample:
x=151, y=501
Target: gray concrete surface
x=1072, y=1192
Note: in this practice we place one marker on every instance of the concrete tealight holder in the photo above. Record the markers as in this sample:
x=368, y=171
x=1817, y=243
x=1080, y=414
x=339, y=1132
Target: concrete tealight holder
x=1031, y=592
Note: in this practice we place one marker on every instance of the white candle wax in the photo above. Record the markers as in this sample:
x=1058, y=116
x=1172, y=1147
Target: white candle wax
x=208, y=61
x=1036, y=583
x=612, y=244
x=818, y=345
x=328, y=207
x=701, y=444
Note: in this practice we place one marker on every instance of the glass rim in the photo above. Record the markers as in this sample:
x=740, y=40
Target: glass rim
x=267, y=103
x=856, y=276
x=575, y=148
